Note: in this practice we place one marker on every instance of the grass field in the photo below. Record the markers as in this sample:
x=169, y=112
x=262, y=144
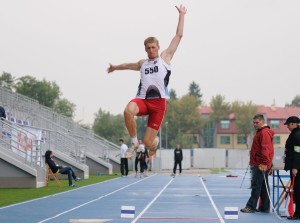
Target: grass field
x=15, y=195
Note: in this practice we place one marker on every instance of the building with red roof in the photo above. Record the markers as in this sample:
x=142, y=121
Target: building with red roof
x=225, y=134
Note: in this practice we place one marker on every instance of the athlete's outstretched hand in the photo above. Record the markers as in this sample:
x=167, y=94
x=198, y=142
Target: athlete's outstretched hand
x=111, y=68
x=181, y=9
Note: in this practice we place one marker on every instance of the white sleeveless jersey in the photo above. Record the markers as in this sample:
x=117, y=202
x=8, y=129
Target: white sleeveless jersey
x=154, y=79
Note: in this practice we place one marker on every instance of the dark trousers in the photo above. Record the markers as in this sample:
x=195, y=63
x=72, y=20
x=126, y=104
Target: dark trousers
x=68, y=170
x=124, y=166
x=143, y=164
x=175, y=166
x=136, y=161
x=297, y=193
x=258, y=186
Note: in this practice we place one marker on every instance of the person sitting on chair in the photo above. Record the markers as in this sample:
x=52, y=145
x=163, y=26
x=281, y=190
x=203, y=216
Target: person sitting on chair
x=60, y=169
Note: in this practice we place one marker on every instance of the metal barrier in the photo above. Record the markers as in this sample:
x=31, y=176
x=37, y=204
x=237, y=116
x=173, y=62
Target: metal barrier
x=22, y=142
x=45, y=118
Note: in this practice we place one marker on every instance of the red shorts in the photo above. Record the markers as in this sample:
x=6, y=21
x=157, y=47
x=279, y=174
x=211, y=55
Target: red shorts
x=155, y=108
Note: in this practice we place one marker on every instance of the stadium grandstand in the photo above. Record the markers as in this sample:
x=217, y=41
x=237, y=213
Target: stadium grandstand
x=29, y=129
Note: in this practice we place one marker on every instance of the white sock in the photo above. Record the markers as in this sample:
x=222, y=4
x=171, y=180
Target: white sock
x=134, y=140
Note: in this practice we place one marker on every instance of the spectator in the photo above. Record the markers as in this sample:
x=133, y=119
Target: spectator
x=60, y=169
x=178, y=156
x=143, y=160
x=124, y=159
x=261, y=157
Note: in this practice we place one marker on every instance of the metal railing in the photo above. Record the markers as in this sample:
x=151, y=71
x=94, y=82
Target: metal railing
x=45, y=118
x=22, y=142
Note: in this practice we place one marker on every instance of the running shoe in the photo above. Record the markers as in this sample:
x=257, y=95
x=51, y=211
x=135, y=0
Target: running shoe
x=247, y=210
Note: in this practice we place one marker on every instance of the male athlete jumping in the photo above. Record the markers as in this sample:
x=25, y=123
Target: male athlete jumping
x=152, y=91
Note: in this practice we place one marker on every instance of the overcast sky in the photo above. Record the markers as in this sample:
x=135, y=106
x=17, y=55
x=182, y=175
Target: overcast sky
x=247, y=50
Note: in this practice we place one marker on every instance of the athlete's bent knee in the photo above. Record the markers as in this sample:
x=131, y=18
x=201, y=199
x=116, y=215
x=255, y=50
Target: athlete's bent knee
x=131, y=109
x=148, y=143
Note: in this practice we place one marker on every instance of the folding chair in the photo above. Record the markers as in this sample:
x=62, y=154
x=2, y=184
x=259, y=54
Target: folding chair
x=54, y=175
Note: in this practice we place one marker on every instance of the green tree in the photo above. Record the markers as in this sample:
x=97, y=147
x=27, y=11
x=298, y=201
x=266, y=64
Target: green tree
x=172, y=94
x=183, y=119
x=194, y=90
x=7, y=80
x=141, y=125
x=109, y=126
x=45, y=92
x=65, y=107
x=221, y=110
x=243, y=115
x=295, y=102
x=184, y=140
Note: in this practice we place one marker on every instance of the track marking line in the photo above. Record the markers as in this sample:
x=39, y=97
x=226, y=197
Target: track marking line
x=153, y=200
x=211, y=201
x=179, y=218
x=91, y=201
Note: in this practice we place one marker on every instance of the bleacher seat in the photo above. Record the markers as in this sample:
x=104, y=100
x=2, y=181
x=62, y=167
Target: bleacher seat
x=12, y=119
x=20, y=122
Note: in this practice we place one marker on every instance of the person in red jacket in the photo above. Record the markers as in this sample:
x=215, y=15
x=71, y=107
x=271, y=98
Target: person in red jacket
x=261, y=157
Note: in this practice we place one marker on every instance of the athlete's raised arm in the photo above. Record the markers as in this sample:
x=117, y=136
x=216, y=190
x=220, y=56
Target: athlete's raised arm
x=168, y=53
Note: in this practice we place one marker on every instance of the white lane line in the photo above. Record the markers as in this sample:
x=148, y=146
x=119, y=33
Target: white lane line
x=211, y=201
x=91, y=201
x=154, y=199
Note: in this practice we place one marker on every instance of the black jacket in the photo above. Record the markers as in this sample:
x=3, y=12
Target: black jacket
x=51, y=163
x=292, y=157
x=178, y=154
x=53, y=166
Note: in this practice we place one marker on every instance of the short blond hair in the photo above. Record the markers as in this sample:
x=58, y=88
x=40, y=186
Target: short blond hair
x=151, y=40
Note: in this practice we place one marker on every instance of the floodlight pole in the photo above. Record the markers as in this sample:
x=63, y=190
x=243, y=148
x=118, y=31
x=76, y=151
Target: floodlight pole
x=166, y=135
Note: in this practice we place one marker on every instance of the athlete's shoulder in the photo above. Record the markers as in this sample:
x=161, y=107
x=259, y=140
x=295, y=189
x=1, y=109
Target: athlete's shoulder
x=165, y=57
x=141, y=62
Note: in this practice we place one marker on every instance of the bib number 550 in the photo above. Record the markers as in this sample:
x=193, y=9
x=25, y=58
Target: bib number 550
x=151, y=70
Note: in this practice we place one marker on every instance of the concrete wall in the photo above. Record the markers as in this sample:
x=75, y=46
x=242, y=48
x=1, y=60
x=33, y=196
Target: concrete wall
x=115, y=166
x=238, y=158
x=97, y=165
x=210, y=158
x=14, y=177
